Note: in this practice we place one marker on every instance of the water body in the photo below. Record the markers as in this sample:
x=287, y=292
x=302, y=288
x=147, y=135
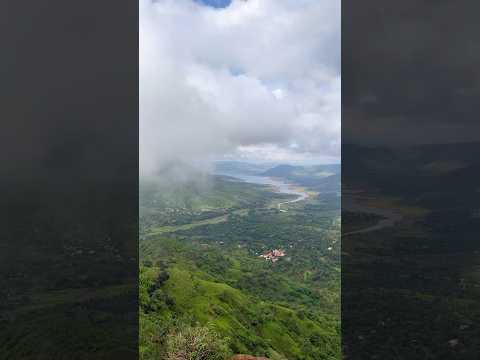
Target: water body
x=280, y=186
x=390, y=217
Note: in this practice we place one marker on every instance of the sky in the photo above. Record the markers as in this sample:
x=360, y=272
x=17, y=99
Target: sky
x=410, y=72
x=248, y=80
x=215, y=3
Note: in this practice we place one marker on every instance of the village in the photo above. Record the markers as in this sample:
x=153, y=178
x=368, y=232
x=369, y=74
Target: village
x=273, y=255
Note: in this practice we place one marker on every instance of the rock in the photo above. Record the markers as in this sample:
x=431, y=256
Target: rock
x=247, y=357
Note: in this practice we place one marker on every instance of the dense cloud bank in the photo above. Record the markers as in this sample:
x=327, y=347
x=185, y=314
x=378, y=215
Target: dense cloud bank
x=257, y=80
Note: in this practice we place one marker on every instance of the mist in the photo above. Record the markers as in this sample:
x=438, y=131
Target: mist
x=257, y=80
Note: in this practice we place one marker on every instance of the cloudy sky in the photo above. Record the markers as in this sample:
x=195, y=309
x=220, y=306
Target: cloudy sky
x=410, y=72
x=252, y=80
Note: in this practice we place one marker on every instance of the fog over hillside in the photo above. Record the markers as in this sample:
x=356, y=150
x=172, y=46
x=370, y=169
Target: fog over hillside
x=256, y=80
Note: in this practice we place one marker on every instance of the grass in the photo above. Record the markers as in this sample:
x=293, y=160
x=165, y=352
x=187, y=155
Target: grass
x=254, y=324
x=231, y=312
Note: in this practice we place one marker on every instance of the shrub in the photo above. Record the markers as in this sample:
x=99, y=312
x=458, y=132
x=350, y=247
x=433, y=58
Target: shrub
x=196, y=343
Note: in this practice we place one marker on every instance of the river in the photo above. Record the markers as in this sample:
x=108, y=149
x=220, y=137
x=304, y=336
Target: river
x=389, y=217
x=278, y=185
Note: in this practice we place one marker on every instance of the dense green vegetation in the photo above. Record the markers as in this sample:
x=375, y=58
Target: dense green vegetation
x=205, y=278
x=412, y=288
x=68, y=288
x=196, y=201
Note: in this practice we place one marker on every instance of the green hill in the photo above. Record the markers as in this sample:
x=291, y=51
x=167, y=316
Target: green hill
x=190, y=286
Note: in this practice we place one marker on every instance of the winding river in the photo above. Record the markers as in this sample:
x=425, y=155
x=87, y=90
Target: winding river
x=389, y=217
x=278, y=185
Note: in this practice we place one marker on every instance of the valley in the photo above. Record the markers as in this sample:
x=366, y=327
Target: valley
x=253, y=260
x=410, y=252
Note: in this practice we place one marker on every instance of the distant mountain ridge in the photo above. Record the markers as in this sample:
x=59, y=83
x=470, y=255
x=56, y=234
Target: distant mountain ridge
x=246, y=168
x=281, y=170
x=324, y=178
x=415, y=171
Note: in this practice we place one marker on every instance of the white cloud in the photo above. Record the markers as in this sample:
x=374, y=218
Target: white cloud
x=260, y=77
